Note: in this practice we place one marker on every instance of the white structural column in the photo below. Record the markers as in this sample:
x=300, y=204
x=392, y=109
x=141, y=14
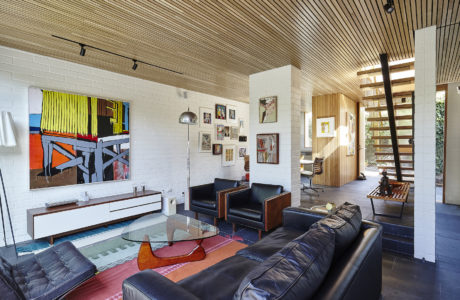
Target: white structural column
x=284, y=83
x=425, y=148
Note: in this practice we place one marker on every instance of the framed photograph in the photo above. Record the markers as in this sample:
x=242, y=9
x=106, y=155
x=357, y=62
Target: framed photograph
x=325, y=127
x=217, y=149
x=268, y=109
x=351, y=132
x=231, y=113
x=221, y=112
x=205, y=117
x=234, y=132
x=220, y=132
x=242, y=138
x=226, y=131
x=205, y=142
x=268, y=148
x=241, y=152
x=228, y=155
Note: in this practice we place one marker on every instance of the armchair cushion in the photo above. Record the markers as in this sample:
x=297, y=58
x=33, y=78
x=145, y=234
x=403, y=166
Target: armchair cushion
x=260, y=191
x=249, y=210
x=206, y=203
x=202, y=192
x=223, y=184
x=298, y=269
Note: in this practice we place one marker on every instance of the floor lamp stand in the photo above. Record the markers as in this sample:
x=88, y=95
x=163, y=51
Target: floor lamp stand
x=187, y=196
x=9, y=217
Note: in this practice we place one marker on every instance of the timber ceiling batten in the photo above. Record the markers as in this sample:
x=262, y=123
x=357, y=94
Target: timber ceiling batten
x=217, y=44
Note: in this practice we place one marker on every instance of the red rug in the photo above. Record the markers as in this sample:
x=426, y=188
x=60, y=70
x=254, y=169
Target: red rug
x=107, y=284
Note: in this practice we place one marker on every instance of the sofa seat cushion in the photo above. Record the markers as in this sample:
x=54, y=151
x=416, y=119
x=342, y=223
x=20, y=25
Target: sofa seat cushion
x=206, y=203
x=248, y=210
x=350, y=213
x=295, y=272
x=52, y=273
x=270, y=244
x=260, y=191
x=219, y=281
x=8, y=287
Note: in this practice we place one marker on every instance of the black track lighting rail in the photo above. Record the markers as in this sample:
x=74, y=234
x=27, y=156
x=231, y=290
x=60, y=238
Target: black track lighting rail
x=135, y=61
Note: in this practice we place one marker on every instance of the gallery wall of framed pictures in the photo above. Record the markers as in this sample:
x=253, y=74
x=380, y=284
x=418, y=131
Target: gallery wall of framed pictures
x=267, y=144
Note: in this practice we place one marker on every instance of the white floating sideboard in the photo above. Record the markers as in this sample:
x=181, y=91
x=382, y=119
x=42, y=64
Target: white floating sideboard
x=61, y=220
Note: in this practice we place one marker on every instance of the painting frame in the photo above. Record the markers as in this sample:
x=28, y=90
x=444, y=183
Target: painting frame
x=221, y=112
x=242, y=152
x=271, y=155
x=325, y=127
x=351, y=134
x=220, y=132
x=231, y=114
x=228, y=155
x=234, y=132
x=217, y=149
x=205, y=142
x=268, y=109
x=206, y=117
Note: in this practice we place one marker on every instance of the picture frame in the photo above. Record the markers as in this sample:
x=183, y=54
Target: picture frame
x=267, y=148
x=204, y=142
x=242, y=152
x=234, y=132
x=226, y=131
x=325, y=127
x=231, y=114
x=219, y=132
x=221, y=112
x=351, y=134
x=228, y=155
x=268, y=109
x=206, y=117
x=216, y=149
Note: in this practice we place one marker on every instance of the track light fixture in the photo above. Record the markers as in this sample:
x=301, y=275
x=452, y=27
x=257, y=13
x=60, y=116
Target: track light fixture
x=389, y=6
x=82, y=50
x=134, y=64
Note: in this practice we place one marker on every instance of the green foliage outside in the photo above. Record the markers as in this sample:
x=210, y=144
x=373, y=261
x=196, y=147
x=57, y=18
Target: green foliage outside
x=440, y=111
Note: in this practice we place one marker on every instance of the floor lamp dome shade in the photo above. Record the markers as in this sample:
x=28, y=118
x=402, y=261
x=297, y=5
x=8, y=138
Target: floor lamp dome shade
x=188, y=117
x=7, y=138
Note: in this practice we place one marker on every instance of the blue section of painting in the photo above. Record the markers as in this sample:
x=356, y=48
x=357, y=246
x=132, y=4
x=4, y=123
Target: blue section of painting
x=126, y=117
x=34, y=123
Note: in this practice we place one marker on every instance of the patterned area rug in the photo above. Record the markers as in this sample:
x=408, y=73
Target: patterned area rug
x=107, y=284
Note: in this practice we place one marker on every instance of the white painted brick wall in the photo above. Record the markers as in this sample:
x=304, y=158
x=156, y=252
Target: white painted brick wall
x=424, y=139
x=158, y=141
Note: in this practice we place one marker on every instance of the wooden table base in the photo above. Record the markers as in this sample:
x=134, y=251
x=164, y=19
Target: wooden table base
x=148, y=260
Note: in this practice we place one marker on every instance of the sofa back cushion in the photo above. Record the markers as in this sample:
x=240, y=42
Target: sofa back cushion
x=294, y=272
x=350, y=213
x=260, y=191
x=223, y=184
x=8, y=286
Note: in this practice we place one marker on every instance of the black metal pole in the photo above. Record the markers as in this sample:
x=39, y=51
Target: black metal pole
x=9, y=216
x=391, y=113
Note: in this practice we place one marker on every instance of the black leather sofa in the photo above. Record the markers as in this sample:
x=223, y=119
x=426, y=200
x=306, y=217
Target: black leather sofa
x=340, y=269
x=50, y=274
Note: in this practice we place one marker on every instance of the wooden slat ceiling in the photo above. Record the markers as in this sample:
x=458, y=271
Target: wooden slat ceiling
x=218, y=44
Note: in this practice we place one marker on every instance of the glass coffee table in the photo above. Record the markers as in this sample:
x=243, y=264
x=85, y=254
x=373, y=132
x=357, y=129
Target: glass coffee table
x=158, y=228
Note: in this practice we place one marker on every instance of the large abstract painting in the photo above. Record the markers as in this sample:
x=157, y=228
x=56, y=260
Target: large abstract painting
x=268, y=148
x=77, y=139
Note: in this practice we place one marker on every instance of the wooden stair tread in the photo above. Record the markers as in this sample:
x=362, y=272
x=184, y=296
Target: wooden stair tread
x=400, y=81
x=402, y=174
x=391, y=153
x=393, y=69
x=388, y=146
x=397, y=106
x=376, y=119
x=393, y=167
x=387, y=137
x=408, y=127
x=392, y=160
x=404, y=94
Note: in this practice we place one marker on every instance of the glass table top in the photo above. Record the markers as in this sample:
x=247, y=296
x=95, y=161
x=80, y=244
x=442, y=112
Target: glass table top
x=158, y=228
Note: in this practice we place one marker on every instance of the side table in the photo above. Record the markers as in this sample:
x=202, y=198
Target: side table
x=400, y=193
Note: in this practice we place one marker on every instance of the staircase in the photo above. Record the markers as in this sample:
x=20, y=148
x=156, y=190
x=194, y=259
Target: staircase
x=398, y=78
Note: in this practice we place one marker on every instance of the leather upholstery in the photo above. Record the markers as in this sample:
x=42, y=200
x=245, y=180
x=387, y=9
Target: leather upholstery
x=300, y=218
x=204, y=198
x=51, y=273
x=7, y=284
x=270, y=244
x=298, y=269
x=260, y=191
x=211, y=204
x=350, y=213
x=219, y=281
x=249, y=210
x=223, y=184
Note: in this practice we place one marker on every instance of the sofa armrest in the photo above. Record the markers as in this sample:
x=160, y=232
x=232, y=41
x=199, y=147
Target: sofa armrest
x=201, y=191
x=301, y=218
x=273, y=209
x=236, y=198
x=222, y=195
x=149, y=284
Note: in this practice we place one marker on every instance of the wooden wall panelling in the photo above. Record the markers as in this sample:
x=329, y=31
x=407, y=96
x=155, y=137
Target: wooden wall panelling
x=348, y=164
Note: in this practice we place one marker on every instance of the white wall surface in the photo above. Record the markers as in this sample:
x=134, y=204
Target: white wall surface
x=452, y=163
x=284, y=83
x=158, y=141
x=425, y=148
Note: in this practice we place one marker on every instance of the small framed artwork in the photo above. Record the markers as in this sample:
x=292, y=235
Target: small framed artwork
x=325, y=127
x=205, y=117
x=231, y=113
x=241, y=152
x=268, y=148
x=228, y=155
x=268, y=109
x=242, y=138
x=217, y=149
x=221, y=112
x=351, y=128
x=219, y=132
x=226, y=131
x=234, y=132
x=205, y=142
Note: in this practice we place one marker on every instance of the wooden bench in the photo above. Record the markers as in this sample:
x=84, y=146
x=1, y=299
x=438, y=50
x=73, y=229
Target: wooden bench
x=400, y=193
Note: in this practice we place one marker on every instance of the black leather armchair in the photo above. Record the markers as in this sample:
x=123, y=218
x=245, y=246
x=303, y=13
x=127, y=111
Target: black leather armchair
x=209, y=199
x=258, y=207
